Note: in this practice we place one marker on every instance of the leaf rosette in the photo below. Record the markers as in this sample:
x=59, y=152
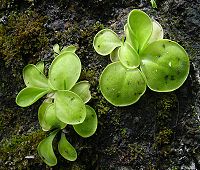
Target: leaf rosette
x=143, y=59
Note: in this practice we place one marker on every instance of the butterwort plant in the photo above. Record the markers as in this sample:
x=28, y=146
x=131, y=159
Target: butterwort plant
x=141, y=58
x=65, y=102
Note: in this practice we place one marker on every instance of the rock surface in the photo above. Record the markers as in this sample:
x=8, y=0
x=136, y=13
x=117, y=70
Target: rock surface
x=161, y=131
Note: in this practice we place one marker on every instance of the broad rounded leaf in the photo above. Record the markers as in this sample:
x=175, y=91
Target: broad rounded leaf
x=66, y=149
x=128, y=56
x=40, y=66
x=33, y=77
x=89, y=126
x=122, y=86
x=140, y=28
x=165, y=65
x=82, y=89
x=64, y=71
x=30, y=95
x=70, y=48
x=114, y=56
x=157, y=33
x=70, y=108
x=47, y=117
x=106, y=41
x=45, y=150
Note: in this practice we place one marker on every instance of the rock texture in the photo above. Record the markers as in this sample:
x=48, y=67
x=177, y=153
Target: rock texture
x=161, y=131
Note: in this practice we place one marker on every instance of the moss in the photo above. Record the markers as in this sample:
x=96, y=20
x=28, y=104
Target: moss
x=23, y=37
x=163, y=137
x=13, y=151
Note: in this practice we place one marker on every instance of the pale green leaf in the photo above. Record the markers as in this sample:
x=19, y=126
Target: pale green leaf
x=66, y=149
x=47, y=117
x=122, y=86
x=140, y=29
x=157, y=33
x=33, y=77
x=45, y=150
x=70, y=108
x=106, y=41
x=128, y=56
x=64, y=71
x=82, y=89
x=56, y=48
x=30, y=95
x=114, y=56
x=89, y=125
x=165, y=65
x=40, y=66
x=70, y=48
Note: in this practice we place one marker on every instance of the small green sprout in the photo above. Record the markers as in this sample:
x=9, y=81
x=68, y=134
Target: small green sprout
x=153, y=3
x=65, y=101
x=143, y=59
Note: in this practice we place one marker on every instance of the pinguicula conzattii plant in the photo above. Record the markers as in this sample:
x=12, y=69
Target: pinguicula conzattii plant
x=65, y=102
x=143, y=58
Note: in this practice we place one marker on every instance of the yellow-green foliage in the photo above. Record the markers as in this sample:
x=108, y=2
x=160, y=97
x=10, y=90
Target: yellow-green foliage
x=23, y=37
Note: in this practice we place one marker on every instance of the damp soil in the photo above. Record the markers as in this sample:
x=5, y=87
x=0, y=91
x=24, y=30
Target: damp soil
x=161, y=131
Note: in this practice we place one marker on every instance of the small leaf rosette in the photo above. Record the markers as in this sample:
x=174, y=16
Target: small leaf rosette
x=65, y=103
x=143, y=59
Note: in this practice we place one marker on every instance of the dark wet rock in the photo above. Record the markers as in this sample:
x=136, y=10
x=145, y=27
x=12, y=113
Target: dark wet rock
x=161, y=131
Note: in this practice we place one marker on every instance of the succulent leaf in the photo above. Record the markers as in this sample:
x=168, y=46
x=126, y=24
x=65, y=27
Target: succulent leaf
x=89, y=125
x=66, y=149
x=122, y=86
x=30, y=95
x=56, y=48
x=40, y=66
x=64, y=71
x=82, y=89
x=106, y=41
x=114, y=56
x=128, y=56
x=165, y=65
x=140, y=28
x=157, y=33
x=33, y=77
x=47, y=117
x=45, y=150
x=70, y=108
x=70, y=48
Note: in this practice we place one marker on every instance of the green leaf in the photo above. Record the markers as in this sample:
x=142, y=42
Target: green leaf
x=70, y=48
x=30, y=95
x=114, y=56
x=70, y=108
x=128, y=56
x=128, y=37
x=121, y=86
x=56, y=48
x=89, y=126
x=157, y=33
x=140, y=29
x=153, y=3
x=45, y=150
x=66, y=149
x=165, y=65
x=41, y=115
x=34, y=78
x=40, y=66
x=106, y=41
x=82, y=89
x=64, y=71
x=47, y=117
